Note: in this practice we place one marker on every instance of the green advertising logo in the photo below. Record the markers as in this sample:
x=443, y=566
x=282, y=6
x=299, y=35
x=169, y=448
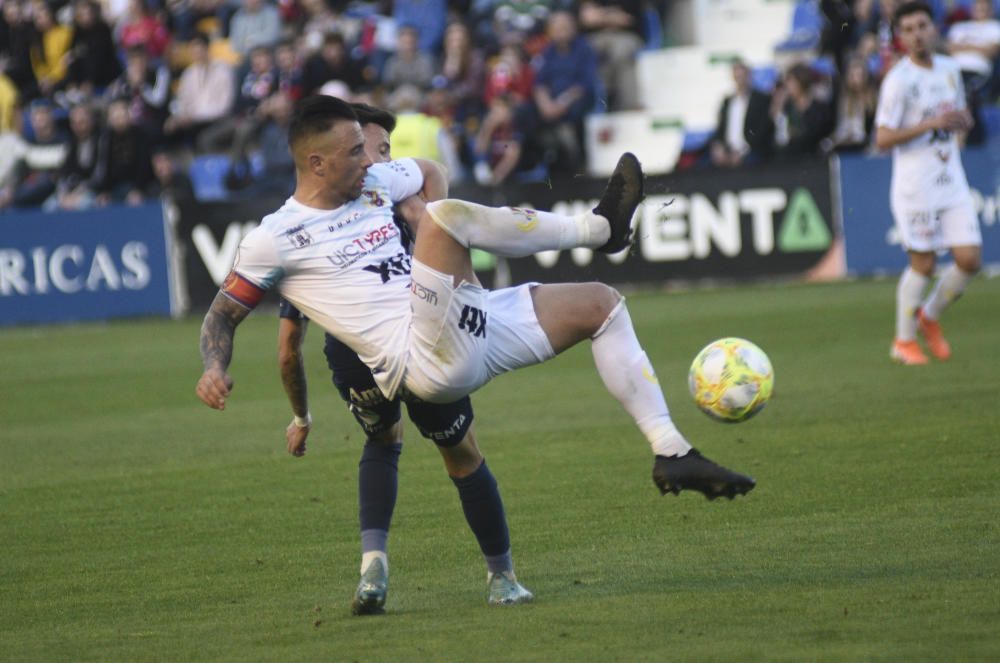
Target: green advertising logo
x=803, y=228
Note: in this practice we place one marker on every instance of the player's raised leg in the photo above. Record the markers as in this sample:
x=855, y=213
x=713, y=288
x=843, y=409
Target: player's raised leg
x=455, y=226
x=570, y=313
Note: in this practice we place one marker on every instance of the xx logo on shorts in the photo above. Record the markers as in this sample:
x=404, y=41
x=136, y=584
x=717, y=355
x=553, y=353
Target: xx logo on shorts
x=473, y=321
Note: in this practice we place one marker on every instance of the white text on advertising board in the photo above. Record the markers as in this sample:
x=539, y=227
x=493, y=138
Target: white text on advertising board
x=70, y=268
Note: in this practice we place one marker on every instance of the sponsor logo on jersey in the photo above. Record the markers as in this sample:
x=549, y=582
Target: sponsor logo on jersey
x=350, y=253
x=398, y=265
x=299, y=237
x=424, y=293
x=473, y=321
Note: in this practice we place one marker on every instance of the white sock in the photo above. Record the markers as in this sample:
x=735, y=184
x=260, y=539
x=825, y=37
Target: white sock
x=909, y=292
x=950, y=286
x=514, y=232
x=628, y=375
x=370, y=556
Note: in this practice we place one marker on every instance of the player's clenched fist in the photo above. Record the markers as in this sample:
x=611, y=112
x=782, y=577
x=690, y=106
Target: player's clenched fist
x=214, y=387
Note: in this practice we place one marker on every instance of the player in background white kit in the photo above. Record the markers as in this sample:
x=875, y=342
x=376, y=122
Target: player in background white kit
x=921, y=108
x=423, y=326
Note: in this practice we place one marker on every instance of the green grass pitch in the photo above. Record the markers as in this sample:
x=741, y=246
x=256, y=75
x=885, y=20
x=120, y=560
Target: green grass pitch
x=139, y=525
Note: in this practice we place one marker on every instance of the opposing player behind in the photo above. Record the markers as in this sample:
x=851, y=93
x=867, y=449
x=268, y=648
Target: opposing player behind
x=449, y=425
x=430, y=333
x=921, y=111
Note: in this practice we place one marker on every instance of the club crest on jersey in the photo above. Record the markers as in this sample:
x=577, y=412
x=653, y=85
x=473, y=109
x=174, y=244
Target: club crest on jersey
x=398, y=265
x=299, y=237
x=374, y=198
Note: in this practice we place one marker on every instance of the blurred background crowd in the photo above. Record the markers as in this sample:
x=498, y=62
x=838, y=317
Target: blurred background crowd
x=120, y=101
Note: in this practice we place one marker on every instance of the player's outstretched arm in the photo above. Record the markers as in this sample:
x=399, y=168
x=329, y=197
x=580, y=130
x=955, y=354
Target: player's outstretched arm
x=217, y=333
x=291, y=334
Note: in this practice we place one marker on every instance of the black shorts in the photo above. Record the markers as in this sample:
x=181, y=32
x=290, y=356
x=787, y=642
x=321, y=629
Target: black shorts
x=445, y=425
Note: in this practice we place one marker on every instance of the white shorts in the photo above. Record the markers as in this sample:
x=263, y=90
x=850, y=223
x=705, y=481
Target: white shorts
x=937, y=229
x=461, y=338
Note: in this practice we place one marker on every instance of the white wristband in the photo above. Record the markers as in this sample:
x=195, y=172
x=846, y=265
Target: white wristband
x=303, y=422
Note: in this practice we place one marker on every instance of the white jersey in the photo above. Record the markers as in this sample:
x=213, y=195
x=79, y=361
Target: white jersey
x=926, y=171
x=345, y=269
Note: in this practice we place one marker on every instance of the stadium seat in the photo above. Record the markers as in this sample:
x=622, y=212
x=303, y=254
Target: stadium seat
x=807, y=25
x=654, y=29
x=656, y=142
x=686, y=83
x=208, y=176
x=747, y=28
x=696, y=140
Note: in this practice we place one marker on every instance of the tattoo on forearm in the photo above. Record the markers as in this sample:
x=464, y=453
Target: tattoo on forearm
x=218, y=330
x=293, y=374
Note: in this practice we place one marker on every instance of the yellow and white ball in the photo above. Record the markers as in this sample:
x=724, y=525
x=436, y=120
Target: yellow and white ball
x=731, y=379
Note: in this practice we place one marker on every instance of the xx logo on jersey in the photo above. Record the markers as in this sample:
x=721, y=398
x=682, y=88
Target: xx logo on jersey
x=473, y=321
x=398, y=265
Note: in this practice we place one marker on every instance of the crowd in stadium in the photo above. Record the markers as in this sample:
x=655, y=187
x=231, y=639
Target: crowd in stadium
x=109, y=102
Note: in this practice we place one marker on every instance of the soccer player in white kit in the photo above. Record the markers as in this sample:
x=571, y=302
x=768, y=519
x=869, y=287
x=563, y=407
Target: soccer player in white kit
x=423, y=326
x=921, y=107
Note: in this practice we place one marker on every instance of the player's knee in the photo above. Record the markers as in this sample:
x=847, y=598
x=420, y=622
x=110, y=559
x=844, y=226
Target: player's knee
x=389, y=436
x=968, y=264
x=450, y=217
x=602, y=300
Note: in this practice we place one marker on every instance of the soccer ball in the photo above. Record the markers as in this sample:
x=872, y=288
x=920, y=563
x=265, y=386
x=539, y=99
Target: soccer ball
x=731, y=380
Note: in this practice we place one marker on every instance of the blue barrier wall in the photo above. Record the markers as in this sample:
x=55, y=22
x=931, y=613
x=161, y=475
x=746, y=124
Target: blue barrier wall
x=93, y=265
x=870, y=239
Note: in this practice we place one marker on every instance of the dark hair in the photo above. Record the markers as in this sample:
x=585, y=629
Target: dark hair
x=908, y=8
x=316, y=114
x=201, y=38
x=370, y=115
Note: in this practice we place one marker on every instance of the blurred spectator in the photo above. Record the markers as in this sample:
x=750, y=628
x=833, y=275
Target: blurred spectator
x=289, y=70
x=333, y=63
x=169, y=181
x=205, y=94
x=509, y=74
x=74, y=189
x=499, y=142
x=521, y=22
x=840, y=28
x=744, y=131
x=241, y=127
x=427, y=17
x=616, y=31
x=279, y=167
x=9, y=105
x=877, y=42
x=141, y=28
x=124, y=168
x=408, y=65
x=418, y=134
x=93, y=57
x=856, y=103
x=210, y=17
x=256, y=23
x=975, y=45
x=38, y=157
x=146, y=88
x=320, y=20
x=565, y=84
x=463, y=71
x=801, y=119
x=50, y=46
x=15, y=50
